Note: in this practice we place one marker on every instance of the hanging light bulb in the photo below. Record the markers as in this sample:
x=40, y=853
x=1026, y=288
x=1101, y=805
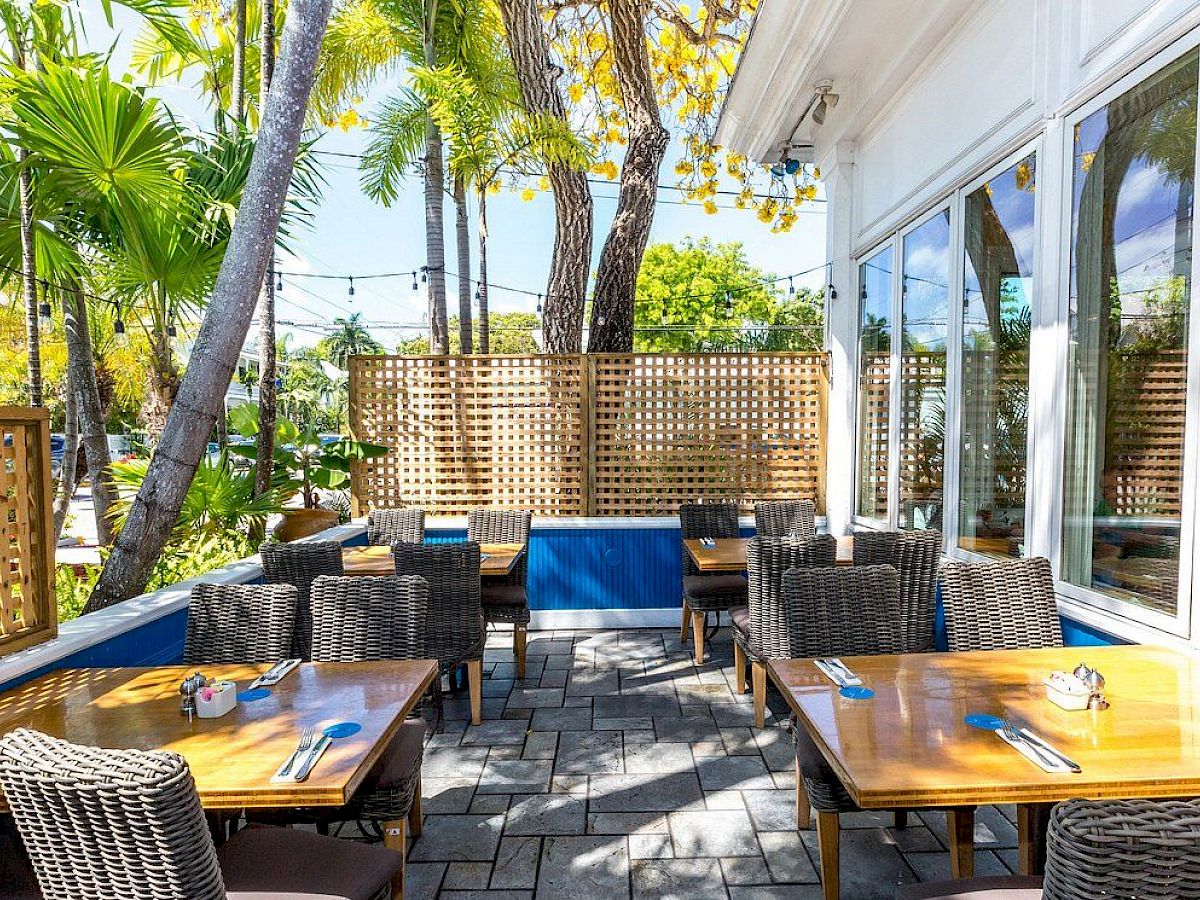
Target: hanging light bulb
x=424, y=275
x=791, y=287
x=171, y=332
x=119, y=334
x=728, y=303
x=539, y=306
x=45, y=322
x=278, y=383
x=864, y=292
x=832, y=291
x=477, y=295
x=415, y=288
x=664, y=315
x=351, y=285
x=278, y=282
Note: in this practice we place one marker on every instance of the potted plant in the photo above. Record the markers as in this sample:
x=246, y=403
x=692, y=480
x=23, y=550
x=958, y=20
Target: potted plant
x=313, y=462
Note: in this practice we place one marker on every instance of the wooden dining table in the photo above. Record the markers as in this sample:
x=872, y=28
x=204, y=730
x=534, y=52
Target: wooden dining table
x=729, y=554
x=232, y=758
x=909, y=745
x=377, y=559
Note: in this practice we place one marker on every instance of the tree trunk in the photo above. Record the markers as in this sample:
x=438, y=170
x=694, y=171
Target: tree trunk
x=92, y=417
x=162, y=385
x=566, y=289
x=227, y=318
x=616, y=277
x=29, y=283
x=462, y=234
x=66, y=477
x=435, y=189
x=265, y=465
x=485, y=337
x=238, y=89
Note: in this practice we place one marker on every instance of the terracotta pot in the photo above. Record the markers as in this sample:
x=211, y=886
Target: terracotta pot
x=298, y=523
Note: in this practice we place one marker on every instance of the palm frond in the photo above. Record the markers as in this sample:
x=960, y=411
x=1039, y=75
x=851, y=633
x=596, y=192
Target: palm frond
x=397, y=142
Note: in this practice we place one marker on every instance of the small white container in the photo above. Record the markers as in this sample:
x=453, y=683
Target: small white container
x=1067, y=691
x=224, y=699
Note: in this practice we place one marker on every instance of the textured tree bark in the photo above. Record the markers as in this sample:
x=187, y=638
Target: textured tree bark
x=66, y=477
x=162, y=383
x=566, y=289
x=485, y=337
x=611, y=328
x=227, y=319
x=267, y=364
x=238, y=88
x=29, y=283
x=462, y=234
x=92, y=414
x=435, y=189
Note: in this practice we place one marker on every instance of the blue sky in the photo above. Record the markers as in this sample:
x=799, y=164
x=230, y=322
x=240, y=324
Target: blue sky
x=353, y=235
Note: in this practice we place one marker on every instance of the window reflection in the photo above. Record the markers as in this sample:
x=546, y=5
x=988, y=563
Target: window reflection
x=1131, y=264
x=997, y=291
x=874, y=390
x=925, y=292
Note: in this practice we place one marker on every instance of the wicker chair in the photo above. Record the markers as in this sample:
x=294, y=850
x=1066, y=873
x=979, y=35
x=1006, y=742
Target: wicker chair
x=1148, y=849
x=100, y=824
x=840, y=611
x=395, y=526
x=506, y=598
x=1005, y=605
x=785, y=518
x=704, y=594
x=298, y=564
x=761, y=629
x=875, y=548
x=454, y=632
x=16, y=871
x=240, y=623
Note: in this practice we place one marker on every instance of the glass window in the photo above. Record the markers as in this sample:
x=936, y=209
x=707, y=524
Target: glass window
x=874, y=384
x=925, y=304
x=998, y=285
x=1131, y=266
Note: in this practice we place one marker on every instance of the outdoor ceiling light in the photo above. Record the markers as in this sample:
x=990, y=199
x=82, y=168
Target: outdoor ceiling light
x=824, y=99
x=119, y=332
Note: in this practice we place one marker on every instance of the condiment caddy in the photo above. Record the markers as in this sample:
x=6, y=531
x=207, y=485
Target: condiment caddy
x=1078, y=690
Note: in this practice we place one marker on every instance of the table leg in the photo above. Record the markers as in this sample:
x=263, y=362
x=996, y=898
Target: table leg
x=698, y=635
x=395, y=838
x=828, y=846
x=960, y=822
x=803, y=809
x=683, y=627
x=1032, y=819
x=475, y=688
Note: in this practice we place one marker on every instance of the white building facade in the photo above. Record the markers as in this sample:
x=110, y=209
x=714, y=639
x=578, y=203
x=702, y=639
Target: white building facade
x=1010, y=312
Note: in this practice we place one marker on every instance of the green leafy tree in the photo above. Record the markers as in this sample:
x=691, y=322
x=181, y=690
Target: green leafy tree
x=349, y=338
x=512, y=335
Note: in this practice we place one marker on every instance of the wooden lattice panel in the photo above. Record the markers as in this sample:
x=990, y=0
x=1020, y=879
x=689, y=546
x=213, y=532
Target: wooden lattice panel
x=672, y=429
x=28, y=613
x=470, y=431
x=875, y=403
x=922, y=431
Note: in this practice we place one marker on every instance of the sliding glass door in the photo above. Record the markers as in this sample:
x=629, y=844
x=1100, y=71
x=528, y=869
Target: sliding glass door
x=874, y=384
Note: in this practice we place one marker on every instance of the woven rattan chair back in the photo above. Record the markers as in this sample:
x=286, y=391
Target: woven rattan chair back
x=699, y=520
x=369, y=617
x=298, y=564
x=1149, y=849
x=503, y=526
x=240, y=623
x=1005, y=605
x=395, y=526
x=785, y=518
x=102, y=824
x=766, y=561
x=875, y=548
x=454, y=626
x=843, y=610
x=918, y=555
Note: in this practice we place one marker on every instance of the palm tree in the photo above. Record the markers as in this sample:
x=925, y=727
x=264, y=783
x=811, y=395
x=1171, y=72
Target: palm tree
x=349, y=338
x=227, y=318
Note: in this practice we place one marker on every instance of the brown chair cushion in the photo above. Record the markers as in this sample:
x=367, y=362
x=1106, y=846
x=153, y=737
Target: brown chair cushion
x=265, y=863
x=504, y=595
x=401, y=761
x=739, y=616
x=701, y=586
x=1011, y=888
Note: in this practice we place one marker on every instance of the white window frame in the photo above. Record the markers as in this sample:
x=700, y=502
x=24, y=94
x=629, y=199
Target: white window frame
x=1181, y=623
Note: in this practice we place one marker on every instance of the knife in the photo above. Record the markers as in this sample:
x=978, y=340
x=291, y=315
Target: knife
x=830, y=672
x=313, y=755
x=1057, y=754
x=850, y=677
x=265, y=676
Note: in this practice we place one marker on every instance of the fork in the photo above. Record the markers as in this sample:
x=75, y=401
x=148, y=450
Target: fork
x=306, y=741
x=1011, y=734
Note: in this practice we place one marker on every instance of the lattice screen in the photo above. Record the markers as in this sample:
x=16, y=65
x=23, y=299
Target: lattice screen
x=597, y=435
x=922, y=436
x=27, y=609
x=875, y=403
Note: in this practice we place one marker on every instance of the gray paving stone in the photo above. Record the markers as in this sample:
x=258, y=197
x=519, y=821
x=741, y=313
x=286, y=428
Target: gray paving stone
x=627, y=823
x=771, y=810
x=638, y=735
x=742, y=870
x=584, y=868
x=540, y=745
x=553, y=678
x=724, y=800
x=590, y=682
x=422, y=880
x=542, y=814
x=650, y=846
x=784, y=852
x=515, y=776
x=739, y=742
x=457, y=838
x=677, y=879
x=490, y=804
x=497, y=688
x=495, y=731
x=644, y=793
x=721, y=834
x=870, y=868
x=745, y=773
x=993, y=831
x=516, y=862
x=936, y=866
x=566, y=719
x=625, y=723
x=607, y=707
x=559, y=662
x=685, y=729
x=658, y=758
x=784, y=892
x=588, y=753
x=446, y=795
x=486, y=895
x=453, y=762
x=467, y=876
x=535, y=698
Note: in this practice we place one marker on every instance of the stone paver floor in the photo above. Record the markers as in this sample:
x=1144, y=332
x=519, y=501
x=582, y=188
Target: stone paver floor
x=619, y=769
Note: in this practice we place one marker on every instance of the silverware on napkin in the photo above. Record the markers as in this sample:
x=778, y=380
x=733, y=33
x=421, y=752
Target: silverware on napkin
x=302, y=746
x=313, y=755
x=275, y=674
x=1032, y=738
x=833, y=673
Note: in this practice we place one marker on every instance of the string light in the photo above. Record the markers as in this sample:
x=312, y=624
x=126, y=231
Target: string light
x=424, y=274
x=415, y=287
x=728, y=303
x=171, y=332
x=477, y=296
x=279, y=282
x=832, y=291
x=119, y=334
x=45, y=320
x=791, y=287
x=351, y=285
x=539, y=306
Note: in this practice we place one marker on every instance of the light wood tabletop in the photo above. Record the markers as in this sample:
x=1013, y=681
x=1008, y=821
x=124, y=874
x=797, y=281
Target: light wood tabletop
x=495, y=559
x=232, y=758
x=729, y=554
x=909, y=746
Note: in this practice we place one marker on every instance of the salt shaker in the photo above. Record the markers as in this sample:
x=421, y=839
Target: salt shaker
x=190, y=687
x=1095, y=684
